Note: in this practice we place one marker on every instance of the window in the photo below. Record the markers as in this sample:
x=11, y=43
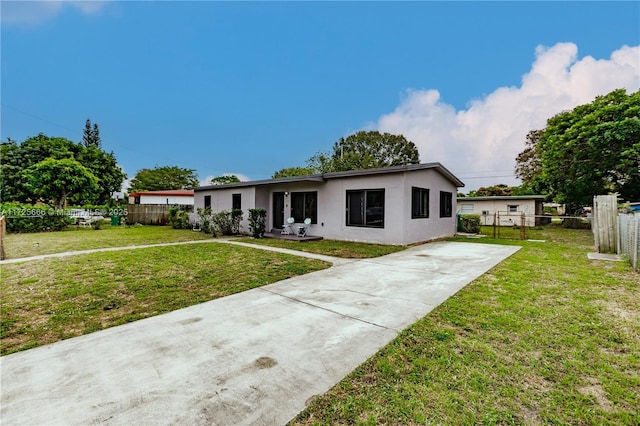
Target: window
x=466, y=209
x=485, y=212
x=419, y=203
x=207, y=202
x=236, y=201
x=365, y=208
x=512, y=208
x=304, y=205
x=446, y=204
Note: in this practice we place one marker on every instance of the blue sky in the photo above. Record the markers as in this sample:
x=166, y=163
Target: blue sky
x=249, y=88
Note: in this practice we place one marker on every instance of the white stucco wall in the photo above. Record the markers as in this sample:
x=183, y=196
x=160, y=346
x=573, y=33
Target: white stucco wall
x=166, y=199
x=222, y=199
x=399, y=228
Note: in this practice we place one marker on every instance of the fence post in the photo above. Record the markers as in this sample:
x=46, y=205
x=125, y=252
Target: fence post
x=604, y=223
x=494, y=226
x=636, y=237
x=3, y=230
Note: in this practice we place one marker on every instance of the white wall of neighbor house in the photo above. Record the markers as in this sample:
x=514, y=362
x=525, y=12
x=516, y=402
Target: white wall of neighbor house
x=166, y=199
x=510, y=211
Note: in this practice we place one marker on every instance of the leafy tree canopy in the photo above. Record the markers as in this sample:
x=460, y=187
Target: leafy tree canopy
x=361, y=150
x=57, y=180
x=593, y=149
x=294, y=171
x=18, y=157
x=224, y=179
x=501, y=190
x=163, y=178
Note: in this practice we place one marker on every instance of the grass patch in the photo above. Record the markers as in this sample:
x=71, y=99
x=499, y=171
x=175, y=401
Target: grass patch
x=344, y=249
x=546, y=337
x=74, y=238
x=54, y=299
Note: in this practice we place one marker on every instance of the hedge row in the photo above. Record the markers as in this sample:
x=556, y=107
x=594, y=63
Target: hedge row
x=23, y=218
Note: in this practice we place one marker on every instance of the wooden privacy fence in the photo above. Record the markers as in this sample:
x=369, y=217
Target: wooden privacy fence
x=3, y=231
x=605, y=223
x=629, y=236
x=150, y=214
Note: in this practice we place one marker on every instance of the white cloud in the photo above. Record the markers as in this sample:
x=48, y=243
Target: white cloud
x=484, y=139
x=36, y=12
x=207, y=180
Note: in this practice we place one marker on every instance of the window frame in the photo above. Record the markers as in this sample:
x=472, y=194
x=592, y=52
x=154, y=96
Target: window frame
x=207, y=202
x=307, y=198
x=418, y=205
x=365, y=196
x=236, y=198
x=446, y=204
x=512, y=208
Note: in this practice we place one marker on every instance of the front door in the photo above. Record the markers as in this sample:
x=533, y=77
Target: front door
x=278, y=210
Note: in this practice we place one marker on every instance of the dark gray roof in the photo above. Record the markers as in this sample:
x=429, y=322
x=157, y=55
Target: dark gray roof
x=322, y=177
x=503, y=197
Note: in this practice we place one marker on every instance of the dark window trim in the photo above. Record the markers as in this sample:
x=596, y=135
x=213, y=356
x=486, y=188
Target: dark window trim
x=363, y=199
x=417, y=204
x=305, y=214
x=446, y=204
x=235, y=197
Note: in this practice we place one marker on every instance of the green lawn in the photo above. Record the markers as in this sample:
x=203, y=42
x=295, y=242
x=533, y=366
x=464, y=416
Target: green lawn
x=24, y=245
x=49, y=300
x=352, y=250
x=546, y=337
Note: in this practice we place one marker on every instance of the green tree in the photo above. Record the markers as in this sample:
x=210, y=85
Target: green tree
x=361, y=150
x=590, y=150
x=163, y=178
x=91, y=136
x=225, y=179
x=104, y=166
x=294, y=171
x=17, y=157
x=367, y=150
x=54, y=181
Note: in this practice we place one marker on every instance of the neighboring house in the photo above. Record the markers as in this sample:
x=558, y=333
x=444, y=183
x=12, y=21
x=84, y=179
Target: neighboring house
x=508, y=209
x=391, y=205
x=173, y=196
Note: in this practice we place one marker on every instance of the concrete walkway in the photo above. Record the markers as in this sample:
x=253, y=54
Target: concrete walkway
x=251, y=358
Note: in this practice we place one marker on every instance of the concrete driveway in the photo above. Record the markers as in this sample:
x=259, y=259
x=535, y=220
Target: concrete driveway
x=252, y=358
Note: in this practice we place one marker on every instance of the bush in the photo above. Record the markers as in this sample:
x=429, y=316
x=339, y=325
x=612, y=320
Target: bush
x=24, y=218
x=178, y=218
x=205, y=221
x=227, y=222
x=469, y=223
x=257, y=219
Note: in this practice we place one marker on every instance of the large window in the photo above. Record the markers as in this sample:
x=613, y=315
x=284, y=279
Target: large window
x=304, y=205
x=365, y=208
x=207, y=202
x=419, y=203
x=236, y=201
x=446, y=204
